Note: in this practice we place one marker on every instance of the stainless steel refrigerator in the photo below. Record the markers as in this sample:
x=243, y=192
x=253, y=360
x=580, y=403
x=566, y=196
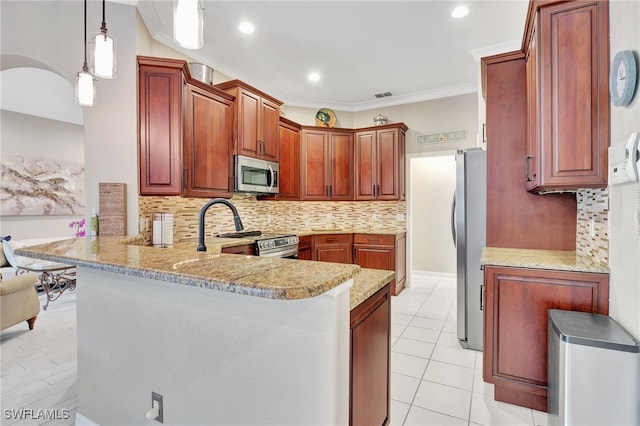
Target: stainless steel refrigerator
x=468, y=226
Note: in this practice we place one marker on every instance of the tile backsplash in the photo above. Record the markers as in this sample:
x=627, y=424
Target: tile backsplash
x=592, y=233
x=272, y=216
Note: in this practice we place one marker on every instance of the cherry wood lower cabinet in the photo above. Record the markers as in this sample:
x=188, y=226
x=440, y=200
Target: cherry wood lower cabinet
x=246, y=249
x=370, y=360
x=386, y=252
x=333, y=248
x=515, y=325
x=305, y=250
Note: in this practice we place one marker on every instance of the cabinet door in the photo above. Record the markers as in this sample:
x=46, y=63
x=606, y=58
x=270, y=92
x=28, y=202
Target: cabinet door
x=515, y=333
x=533, y=84
x=289, y=142
x=248, y=130
x=341, y=166
x=315, y=169
x=269, y=135
x=365, y=165
x=305, y=251
x=208, y=145
x=390, y=164
x=370, y=361
x=338, y=253
x=160, y=126
x=574, y=114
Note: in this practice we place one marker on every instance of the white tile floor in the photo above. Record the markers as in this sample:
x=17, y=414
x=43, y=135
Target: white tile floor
x=433, y=380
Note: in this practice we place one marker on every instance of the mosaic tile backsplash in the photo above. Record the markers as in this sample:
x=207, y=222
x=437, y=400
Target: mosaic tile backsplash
x=273, y=216
x=296, y=216
x=593, y=211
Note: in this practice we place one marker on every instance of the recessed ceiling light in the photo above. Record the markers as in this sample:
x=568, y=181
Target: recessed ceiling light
x=246, y=27
x=460, y=12
x=314, y=76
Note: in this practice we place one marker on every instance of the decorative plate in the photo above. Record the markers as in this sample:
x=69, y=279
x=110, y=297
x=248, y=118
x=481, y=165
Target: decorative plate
x=325, y=117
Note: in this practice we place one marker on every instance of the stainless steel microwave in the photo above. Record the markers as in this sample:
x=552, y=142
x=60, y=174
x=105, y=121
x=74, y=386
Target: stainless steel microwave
x=255, y=175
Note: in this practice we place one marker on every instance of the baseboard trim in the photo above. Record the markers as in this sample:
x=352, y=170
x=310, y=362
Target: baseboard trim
x=434, y=274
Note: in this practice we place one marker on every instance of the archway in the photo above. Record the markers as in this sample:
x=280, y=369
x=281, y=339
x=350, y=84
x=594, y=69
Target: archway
x=42, y=151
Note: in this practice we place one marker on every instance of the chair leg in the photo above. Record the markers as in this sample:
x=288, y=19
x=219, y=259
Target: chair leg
x=31, y=322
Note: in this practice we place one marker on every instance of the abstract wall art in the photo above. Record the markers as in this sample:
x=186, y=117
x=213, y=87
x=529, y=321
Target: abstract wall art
x=41, y=186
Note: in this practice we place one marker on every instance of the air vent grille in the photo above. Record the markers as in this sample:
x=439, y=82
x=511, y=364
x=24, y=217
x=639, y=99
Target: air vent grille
x=382, y=95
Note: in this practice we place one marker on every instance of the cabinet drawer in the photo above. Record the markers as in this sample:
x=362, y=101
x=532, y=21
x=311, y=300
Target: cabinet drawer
x=333, y=238
x=377, y=239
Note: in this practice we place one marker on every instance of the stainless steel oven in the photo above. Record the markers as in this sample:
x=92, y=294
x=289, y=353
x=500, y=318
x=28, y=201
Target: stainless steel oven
x=255, y=175
x=284, y=246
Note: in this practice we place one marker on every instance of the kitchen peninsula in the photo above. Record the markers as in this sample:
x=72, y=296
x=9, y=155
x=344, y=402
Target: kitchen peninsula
x=225, y=339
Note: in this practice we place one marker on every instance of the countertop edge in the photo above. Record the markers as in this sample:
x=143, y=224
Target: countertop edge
x=243, y=285
x=559, y=260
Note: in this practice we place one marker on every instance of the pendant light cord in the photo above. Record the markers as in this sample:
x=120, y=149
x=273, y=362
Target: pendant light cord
x=103, y=28
x=85, y=67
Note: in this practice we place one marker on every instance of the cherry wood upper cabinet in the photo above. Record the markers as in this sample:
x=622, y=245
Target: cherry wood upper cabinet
x=326, y=164
x=289, y=178
x=185, y=132
x=569, y=95
x=208, y=165
x=256, y=118
x=379, y=162
x=160, y=111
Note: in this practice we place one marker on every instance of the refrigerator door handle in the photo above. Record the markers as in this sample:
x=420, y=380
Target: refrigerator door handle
x=453, y=218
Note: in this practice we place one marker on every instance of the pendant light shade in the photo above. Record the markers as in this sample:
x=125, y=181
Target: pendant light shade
x=85, y=93
x=85, y=88
x=102, y=51
x=188, y=23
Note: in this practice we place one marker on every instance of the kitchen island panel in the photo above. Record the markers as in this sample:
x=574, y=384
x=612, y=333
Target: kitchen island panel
x=215, y=357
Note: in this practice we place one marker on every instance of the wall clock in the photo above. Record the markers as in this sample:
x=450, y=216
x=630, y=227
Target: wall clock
x=622, y=79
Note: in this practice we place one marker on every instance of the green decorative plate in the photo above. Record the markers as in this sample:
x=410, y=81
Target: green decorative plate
x=325, y=117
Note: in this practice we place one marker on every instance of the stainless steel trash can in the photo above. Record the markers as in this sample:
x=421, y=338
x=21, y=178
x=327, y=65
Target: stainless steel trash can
x=594, y=371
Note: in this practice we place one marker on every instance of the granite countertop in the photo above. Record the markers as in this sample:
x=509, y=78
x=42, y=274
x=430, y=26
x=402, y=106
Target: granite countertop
x=367, y=282
x=541, y=259
x=272, y=278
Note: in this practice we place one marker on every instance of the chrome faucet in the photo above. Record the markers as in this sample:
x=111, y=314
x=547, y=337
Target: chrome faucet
x=236, y=219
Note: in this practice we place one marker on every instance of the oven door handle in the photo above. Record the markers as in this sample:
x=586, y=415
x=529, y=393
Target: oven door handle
x=273, y=178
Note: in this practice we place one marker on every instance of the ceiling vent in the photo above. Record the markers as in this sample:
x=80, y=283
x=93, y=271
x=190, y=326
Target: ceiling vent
x=382, y=95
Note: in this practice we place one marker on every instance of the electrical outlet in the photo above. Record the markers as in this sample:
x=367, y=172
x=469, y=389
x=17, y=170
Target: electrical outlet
x=156, y=398
x=329, y=217
x=592, y=228
x=374, y=216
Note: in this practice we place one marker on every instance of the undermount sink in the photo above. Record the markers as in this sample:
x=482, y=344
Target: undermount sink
x=240, y=234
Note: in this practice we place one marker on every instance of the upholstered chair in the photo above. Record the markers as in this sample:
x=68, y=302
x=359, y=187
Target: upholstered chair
x=19, y=300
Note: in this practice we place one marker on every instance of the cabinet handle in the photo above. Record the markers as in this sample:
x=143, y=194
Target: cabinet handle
x=377, y=191
x=373, y=190
x=185, y=178
x=332, y=240
x=481, y=297
x=326, y=190
x=526, y=169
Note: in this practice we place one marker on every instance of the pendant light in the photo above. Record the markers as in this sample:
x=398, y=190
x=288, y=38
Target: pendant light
x=85, y=82
x=188, y=23
x=102, y=52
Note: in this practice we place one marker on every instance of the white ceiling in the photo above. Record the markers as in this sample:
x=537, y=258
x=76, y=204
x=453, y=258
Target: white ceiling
x=413, y=49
